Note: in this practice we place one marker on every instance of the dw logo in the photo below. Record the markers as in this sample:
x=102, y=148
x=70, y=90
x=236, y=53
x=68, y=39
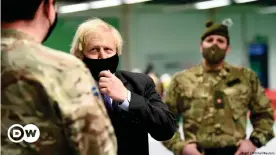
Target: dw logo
x=29, y=133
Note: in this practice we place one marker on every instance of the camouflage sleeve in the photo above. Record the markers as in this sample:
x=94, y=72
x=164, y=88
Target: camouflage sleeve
x=25, y=100
x=87, y=118
x=175, y=144
x=261, y=113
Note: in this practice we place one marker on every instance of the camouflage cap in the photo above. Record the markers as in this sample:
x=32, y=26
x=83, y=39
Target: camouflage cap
x=217, y=29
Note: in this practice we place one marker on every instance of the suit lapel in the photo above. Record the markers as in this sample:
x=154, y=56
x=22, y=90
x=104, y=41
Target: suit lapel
x=124, y=80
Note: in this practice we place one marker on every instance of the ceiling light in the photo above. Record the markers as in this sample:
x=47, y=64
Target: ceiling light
x=134, y=1
x=211, y=4
x=74, y=8
x=244, y=1
x=96, y=5
x=104, y=4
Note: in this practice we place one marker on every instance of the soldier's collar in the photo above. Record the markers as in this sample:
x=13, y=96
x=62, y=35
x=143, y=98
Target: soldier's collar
x=200, y=70
x=13, y=33
x=223, y=71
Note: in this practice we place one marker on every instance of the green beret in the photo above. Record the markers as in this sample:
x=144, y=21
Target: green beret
x=215, y=29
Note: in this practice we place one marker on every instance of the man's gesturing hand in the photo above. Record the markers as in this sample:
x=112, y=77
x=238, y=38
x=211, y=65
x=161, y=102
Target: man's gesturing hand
x=190, y=149
x=110, y=85
x=245, y=146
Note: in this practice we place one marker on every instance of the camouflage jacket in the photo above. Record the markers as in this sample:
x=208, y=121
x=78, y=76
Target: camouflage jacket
x=52, y=90
x=214, y=107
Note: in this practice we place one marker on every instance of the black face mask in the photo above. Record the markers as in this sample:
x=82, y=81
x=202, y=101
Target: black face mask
x=97, y=65
x=52, y=27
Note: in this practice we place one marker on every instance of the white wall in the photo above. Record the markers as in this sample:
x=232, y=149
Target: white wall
x=167, y=37
x=254, y=24
x=174, y=38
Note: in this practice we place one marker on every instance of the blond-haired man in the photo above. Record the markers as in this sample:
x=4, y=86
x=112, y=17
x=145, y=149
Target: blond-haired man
x=130, y=98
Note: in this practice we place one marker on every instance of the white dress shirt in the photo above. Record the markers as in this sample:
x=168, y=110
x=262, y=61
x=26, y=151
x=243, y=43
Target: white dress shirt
x=125, y=104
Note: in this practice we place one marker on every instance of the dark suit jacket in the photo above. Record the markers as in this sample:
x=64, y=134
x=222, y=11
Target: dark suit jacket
x=146, y=114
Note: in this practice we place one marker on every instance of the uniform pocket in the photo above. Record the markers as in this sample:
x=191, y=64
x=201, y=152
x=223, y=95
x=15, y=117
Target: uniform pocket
x=195, y=106
x=238, y=98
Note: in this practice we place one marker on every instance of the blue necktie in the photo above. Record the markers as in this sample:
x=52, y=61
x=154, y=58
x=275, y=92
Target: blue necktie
x=107, y=102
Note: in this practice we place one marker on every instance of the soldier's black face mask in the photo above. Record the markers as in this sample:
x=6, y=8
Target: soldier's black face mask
x=52, y=27
x=97, y=65
x=214, y=55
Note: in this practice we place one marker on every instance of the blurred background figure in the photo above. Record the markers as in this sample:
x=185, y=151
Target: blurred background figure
x=165, y=34
x=165, y=80
x=136, y=70
x=151, y=73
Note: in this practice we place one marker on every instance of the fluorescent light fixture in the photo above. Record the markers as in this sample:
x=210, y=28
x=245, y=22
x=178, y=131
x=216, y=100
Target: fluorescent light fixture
x=211, y=4
x=74, y=8
x=244, y=1
x=134, y=1
x=104, y=4
x=96, y=5
x=178, y=8
x=268, y=10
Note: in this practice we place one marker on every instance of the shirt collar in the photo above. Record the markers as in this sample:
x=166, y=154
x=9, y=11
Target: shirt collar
x=223, y=72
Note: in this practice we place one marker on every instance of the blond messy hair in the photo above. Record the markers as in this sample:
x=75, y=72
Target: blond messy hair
x=88, y=28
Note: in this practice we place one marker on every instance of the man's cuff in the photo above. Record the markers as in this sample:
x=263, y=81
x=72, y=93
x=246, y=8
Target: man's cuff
x=255, y=141
x=125, y=104
x=260, y=139
x=177, y=149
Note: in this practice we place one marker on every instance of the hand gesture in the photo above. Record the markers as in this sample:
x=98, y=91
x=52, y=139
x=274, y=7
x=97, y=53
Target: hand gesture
x=245, y=146
x=110, y=85
x=190, y=149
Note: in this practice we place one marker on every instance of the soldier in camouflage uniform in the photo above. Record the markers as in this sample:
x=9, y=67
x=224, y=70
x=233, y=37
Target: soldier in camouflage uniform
x=213, y=98
x=37, y=87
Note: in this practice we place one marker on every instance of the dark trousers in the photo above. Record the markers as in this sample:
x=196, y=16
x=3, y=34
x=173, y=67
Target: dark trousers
x=231, y=150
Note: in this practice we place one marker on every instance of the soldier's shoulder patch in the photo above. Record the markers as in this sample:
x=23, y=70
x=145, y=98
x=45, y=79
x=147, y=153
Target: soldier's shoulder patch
x=239, y=67
x=61, y=57
x=95, y=91
x=245, y=70
x=177, y=75
x=191, y=71
x=195, y=68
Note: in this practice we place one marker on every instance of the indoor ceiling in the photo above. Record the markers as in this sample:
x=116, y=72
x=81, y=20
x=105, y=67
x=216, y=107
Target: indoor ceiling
x=175, y=2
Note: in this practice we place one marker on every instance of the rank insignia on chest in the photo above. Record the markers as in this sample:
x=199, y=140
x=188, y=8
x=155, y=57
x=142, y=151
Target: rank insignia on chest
x=218, y=99
x=233, y=82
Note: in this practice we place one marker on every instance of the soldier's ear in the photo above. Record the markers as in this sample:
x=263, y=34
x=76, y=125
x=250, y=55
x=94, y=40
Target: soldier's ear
x=50, y=9
x=201, y=48
x=228, y=49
